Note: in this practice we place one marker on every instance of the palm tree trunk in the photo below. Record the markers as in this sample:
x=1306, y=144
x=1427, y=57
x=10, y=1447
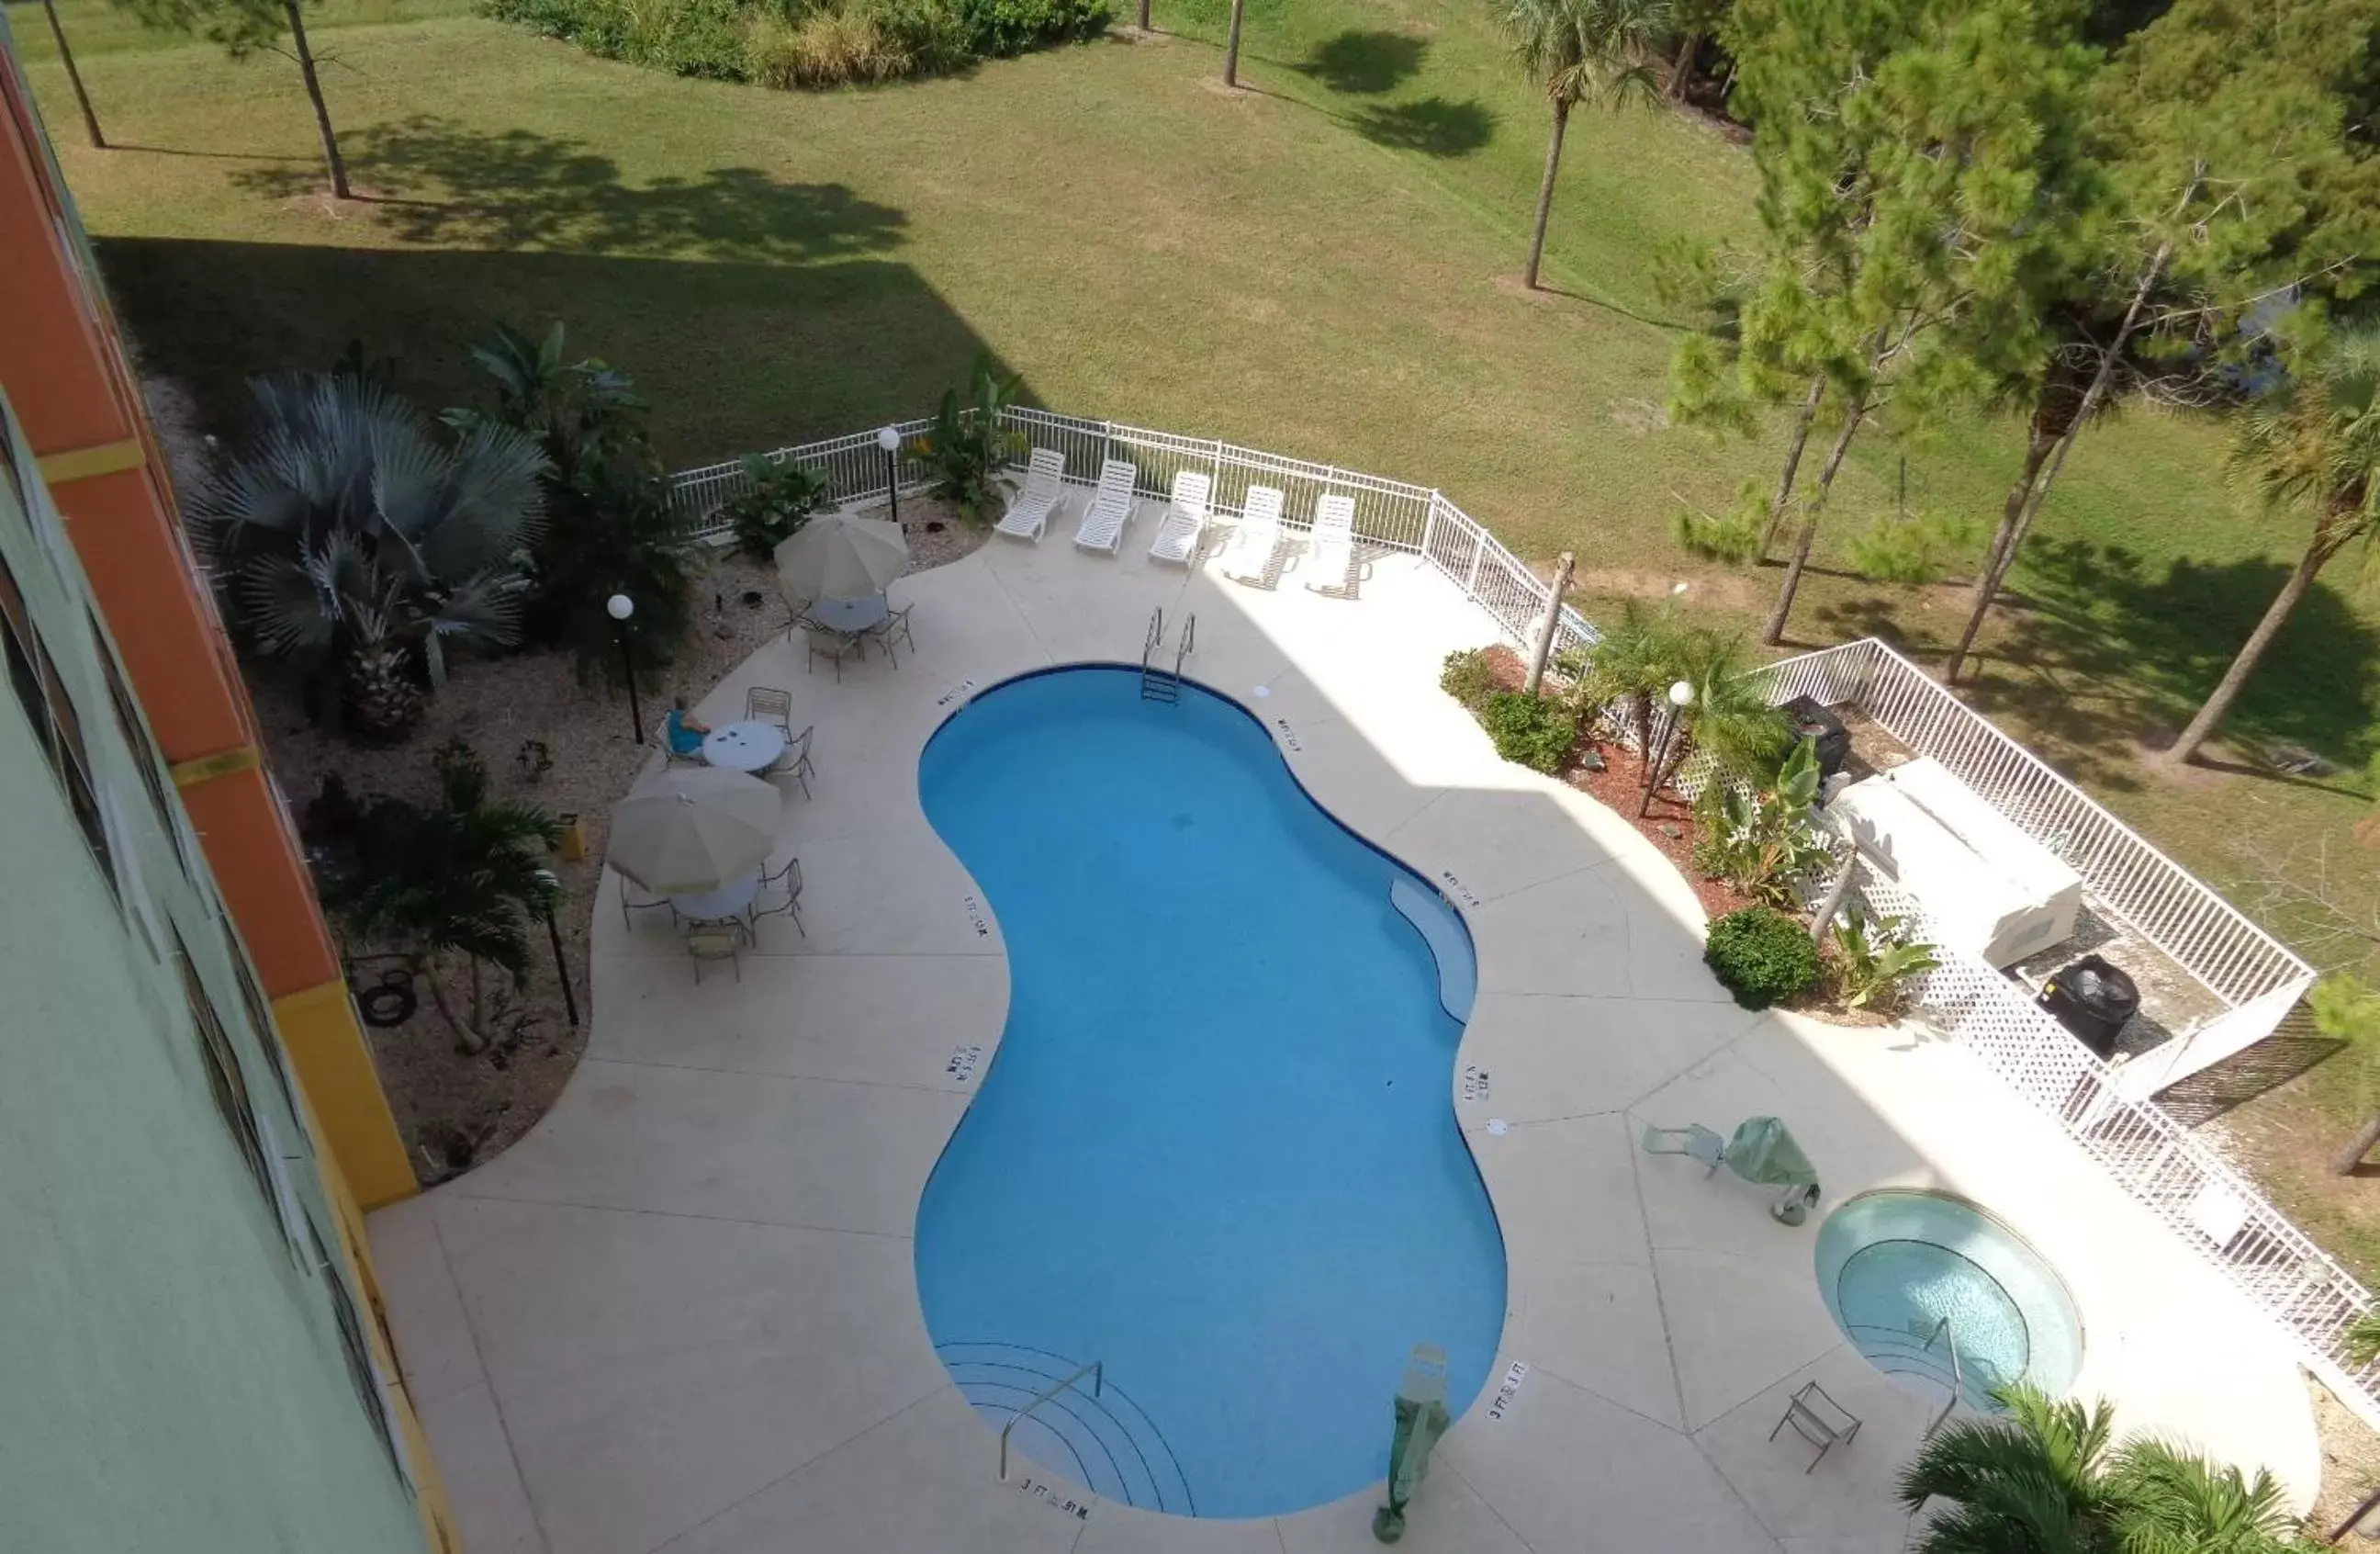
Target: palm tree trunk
x=2015, y=526
x=1232, y=45
x=1546, y=193
x=2329, y=534
x=1685, y=62
x=74, y=77
x=1773, y=632
x=2346, y=1161
x=468, y=1039
x=1793, y=446
x=321, y=109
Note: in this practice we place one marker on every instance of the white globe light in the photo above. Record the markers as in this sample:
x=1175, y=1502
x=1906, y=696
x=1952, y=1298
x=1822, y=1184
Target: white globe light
x=619, y=607
x=1682, y=692
x=889, y=439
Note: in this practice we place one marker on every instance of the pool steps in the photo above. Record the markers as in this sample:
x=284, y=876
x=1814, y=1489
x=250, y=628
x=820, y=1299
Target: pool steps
x=1450, y=944
x=1104, y=1441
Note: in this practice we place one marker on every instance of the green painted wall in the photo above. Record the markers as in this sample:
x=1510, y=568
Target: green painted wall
x=172, y=1374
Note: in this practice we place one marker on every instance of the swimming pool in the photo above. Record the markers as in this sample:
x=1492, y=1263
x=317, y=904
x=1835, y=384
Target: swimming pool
x=1909, y=1274
x=1217, y=1149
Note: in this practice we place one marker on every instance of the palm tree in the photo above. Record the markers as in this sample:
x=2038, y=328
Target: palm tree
x=2313, y=443
x=354, y=542
x=2048, y=1479
x=2033, y=1482
x=1632, y=662
x=1582, y=51
x=1728, y=717
x=466, y=877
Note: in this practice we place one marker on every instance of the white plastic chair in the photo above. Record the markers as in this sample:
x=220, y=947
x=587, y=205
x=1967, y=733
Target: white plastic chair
x=1037, y=502
x=1333, y=545
x=1111, y=510
x=1249, y=557
x=1184, y=529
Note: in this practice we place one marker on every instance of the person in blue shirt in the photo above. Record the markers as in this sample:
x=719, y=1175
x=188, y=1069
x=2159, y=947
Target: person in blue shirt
x=684, y=730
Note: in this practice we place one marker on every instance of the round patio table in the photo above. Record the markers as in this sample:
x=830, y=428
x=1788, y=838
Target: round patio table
x=730, y=900
x=744, y=747
x=851, y=615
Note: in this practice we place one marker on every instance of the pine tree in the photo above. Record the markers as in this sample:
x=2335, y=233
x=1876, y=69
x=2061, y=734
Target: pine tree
x=244, y=27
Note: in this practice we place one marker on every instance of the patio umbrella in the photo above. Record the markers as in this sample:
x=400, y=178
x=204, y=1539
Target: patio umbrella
x=690, y=829
x=838, y=556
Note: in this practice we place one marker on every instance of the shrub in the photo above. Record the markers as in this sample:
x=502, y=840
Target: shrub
x=779, y=499
x=1761, y=956
x=830, y=46
x=1001, y=28
x=1467, y=678
x=1915, y=549
x=1761, y=843
x=805, y=42
x=1733, y=535
x=1532, y=730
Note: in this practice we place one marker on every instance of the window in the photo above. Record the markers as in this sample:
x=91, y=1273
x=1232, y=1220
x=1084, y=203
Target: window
x=34, y=677
x=135, y=730
x=360, y=1369
x=224, y=1078
x=259, y=1016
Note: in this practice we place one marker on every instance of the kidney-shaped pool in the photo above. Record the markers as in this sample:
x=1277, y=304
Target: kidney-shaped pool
x=1215, y=1151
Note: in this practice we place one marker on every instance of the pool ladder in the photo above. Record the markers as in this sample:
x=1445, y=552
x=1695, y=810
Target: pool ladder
x=1095, y=1370
x=1157, y=684
x=1958, y=1380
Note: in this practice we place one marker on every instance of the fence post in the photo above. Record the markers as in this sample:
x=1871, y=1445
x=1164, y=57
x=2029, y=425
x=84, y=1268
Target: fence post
x=1429, y=525
x=1216, y=477
x=1478, y=549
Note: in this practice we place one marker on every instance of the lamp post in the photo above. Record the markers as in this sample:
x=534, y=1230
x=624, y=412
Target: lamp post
x=620, y=607
x=889, y=439
x=552, y=882
x=1680, y=695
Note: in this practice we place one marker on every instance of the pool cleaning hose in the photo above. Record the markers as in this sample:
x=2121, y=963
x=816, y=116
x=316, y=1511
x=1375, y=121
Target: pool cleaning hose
x=1421, y=1419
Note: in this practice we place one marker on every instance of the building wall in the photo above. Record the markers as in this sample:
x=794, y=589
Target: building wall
x=191, y=1356
x=62, y=361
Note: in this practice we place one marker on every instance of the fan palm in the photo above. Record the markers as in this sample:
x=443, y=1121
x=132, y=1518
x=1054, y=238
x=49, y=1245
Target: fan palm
x=2313, y=443
x=351, y=538
x=1582, y=51
x=466, y=877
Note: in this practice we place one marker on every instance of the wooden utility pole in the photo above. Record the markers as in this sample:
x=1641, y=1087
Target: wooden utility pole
x=1544, y=647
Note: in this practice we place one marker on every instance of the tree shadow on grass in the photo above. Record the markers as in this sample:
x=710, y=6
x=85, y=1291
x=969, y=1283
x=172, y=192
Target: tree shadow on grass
x=1364, y=63
x=448, y=184
x=732, y=356
x=1433, y=126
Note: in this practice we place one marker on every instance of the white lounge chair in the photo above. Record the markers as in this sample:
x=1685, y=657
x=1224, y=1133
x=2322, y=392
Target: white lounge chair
x=1104, y=521
x=1044, y=492
x=1249, y=557
x=1333, y=544
x=1178, y=537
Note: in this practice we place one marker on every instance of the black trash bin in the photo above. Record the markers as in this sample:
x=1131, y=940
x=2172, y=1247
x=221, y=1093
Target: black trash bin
x=1810, y=719
x=2091, y=999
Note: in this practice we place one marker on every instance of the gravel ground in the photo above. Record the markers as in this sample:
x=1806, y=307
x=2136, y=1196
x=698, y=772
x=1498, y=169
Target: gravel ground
x=456, y=1110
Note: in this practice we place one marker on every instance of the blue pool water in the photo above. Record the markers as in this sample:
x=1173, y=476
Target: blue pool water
x=1216, y=1149
x=1895, y=1266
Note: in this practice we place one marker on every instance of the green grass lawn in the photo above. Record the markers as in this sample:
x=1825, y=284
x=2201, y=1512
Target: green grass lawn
x=1322, y=266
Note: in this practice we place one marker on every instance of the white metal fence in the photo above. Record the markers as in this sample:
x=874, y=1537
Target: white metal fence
x=1390, y=515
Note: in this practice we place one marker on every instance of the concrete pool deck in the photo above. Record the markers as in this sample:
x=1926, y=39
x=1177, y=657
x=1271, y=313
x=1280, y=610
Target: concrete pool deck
x=681, y=1314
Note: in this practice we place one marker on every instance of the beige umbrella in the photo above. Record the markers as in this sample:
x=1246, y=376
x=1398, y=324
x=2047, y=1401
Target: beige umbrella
x=690, y=829
x=838, y=556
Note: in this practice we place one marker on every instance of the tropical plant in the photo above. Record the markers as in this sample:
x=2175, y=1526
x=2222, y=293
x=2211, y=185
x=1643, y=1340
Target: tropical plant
x=1874, y=961
x=1761, y=956
x=1538, y=731
x=2313, y=442
x=968, y=444
x=1580, y=51
x=1631, y=664
x=2047, y=1478
x=1760, y=839
x=249, y=27
x=1467, y=678
x=462, y=876
x=612, y=527
x=777, y=499
x=352, y=541
x=1726, y=718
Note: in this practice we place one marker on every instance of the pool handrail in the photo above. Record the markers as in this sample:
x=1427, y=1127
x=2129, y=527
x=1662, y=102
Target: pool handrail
x=1095, y=1369
x=1958, y=1379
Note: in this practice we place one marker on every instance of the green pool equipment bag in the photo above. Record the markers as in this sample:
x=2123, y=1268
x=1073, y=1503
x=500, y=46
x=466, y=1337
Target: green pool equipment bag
x=1763, y=1151
x=1421, y=1419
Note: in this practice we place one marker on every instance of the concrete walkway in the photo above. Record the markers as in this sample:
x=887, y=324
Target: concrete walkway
x=680, y=1315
